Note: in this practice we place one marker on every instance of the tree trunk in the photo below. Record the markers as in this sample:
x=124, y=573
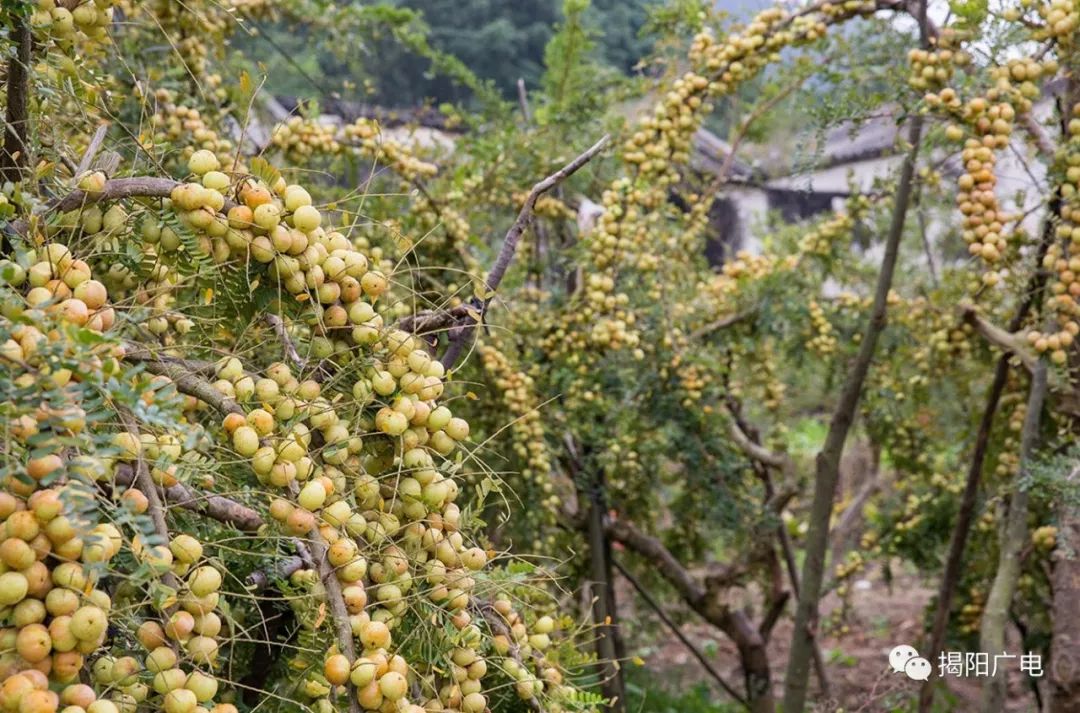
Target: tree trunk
x=604, y=615
x=1065, y=645
x=16, y=154
x=1013, y=537
x=828, y=459
x=965, y=516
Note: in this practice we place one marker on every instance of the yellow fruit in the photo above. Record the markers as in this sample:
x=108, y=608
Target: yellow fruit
x=336, y=669
x=245, y=441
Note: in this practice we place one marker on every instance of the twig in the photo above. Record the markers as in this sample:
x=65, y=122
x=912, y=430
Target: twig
x=114, y=189
x=188, y=383
x=780, y=461
x=1037, y=134
x=722, y=323
x=510, y=243
x=92, y=149
x=339, y=614
x=499, y=628
x=523, y=101
x=678, y=632
x=145, y=484
x=286, y=341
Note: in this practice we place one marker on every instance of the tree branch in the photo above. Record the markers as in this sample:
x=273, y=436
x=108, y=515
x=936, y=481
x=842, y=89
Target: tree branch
x=510, y=243
x=1004, y=340
x=186, y=382
x=91, y=150
x=283, y=569
x=695, y=651
x=286, y=341
x=215, y=507
x=499, y=628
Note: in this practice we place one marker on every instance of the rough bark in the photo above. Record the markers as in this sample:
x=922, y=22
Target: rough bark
x=604, y=614
x=1065, y=644
x=15, y=157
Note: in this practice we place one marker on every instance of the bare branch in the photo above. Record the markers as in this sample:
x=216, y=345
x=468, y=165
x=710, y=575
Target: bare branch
x=721, y=323
x=510, y=243
x=705, y=663
x=286, y=341
x=92, y=149
x=260, y=579
x=146, y=485
x=115, y=189
x=339, y=614
x=1038, y=135
x=1004, y=340
x=186, y=382
x=499, y=628
x=758, y=452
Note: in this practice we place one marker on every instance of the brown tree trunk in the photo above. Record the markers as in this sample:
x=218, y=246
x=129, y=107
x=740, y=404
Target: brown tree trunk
x=603, y=605
x=1065, y=645
x=15, y=156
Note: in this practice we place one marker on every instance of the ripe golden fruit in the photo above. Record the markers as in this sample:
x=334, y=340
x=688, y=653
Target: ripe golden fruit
x=33, y=643
x=375, y=635
x=312, y=496
x=245, y=441
x=186, y=549
x=180, y=700
x=306, y=218
x=336, y=669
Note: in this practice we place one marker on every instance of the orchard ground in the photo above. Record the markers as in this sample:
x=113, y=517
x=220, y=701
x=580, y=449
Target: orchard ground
x=882, y=616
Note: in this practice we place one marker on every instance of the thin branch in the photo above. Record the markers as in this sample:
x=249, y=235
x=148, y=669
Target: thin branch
x=499, y=628
x=91, y=151
x=523, y=100
x=187, y=382
x=510, y=243
x=827, y=474
x=722, y=323
x=781, y=461
x=339, y=614
x=114, y=189
x=145, y=484
x=694, y=650
x=215, y=507
x=286, y=341
x=1038, y=135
